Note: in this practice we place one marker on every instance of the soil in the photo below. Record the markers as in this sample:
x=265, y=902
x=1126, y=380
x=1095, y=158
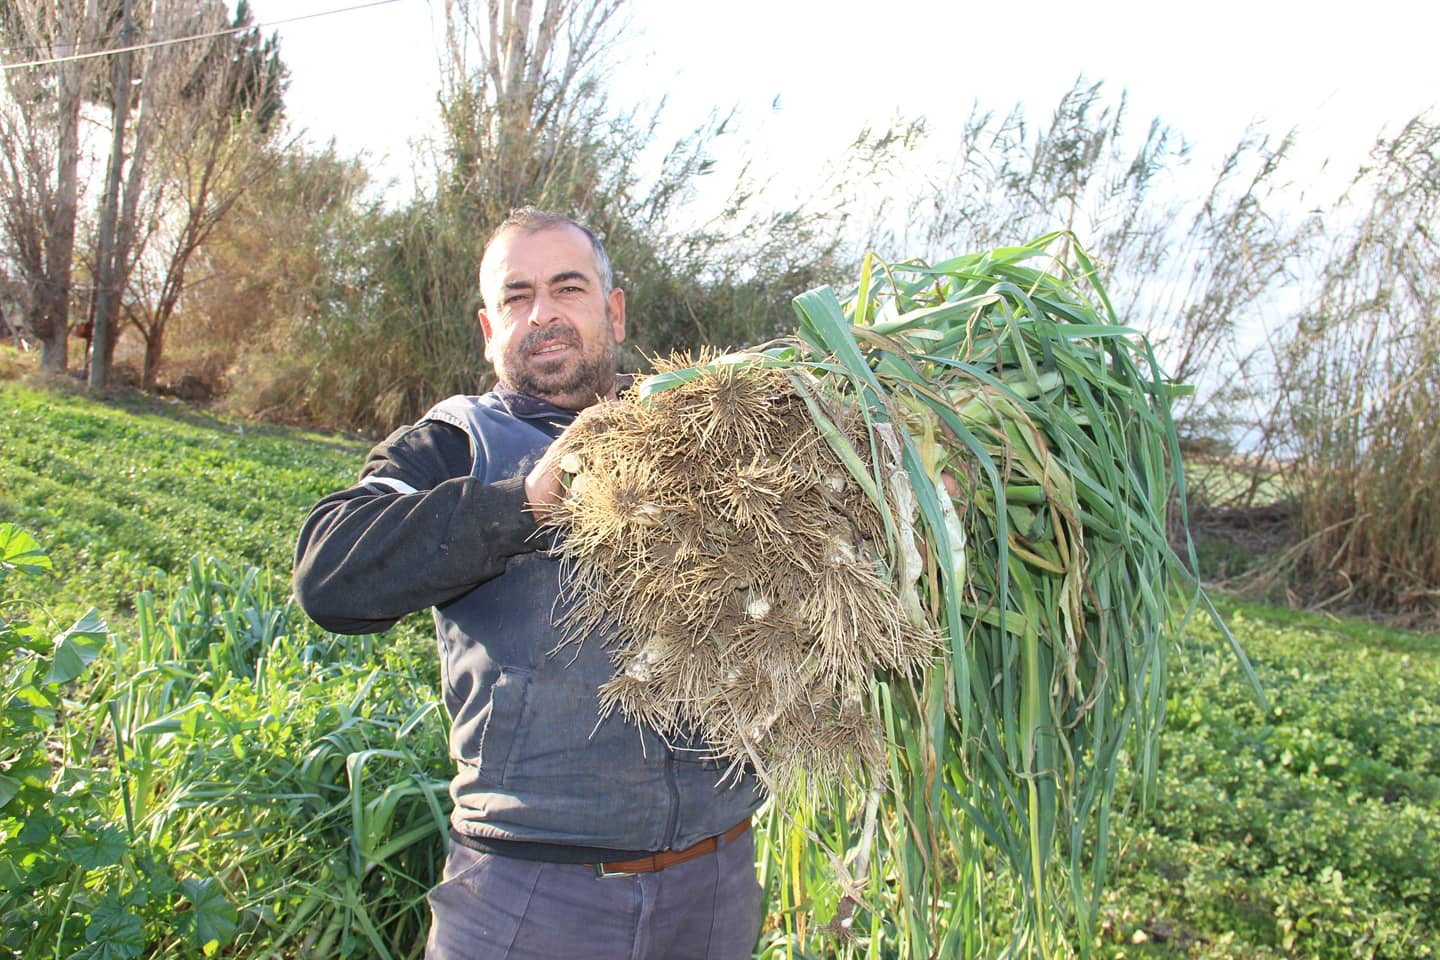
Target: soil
x=1260, y=532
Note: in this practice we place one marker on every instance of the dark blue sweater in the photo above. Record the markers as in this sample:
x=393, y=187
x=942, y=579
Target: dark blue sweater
x=438, y=520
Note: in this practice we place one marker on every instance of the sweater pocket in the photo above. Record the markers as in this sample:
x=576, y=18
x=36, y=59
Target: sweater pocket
x=502, y=724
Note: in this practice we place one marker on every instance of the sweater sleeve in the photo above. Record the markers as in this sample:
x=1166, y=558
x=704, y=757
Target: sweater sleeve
x=415, y=532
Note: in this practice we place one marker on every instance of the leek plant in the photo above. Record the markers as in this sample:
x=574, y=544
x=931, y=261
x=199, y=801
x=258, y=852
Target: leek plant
x=1012, y=441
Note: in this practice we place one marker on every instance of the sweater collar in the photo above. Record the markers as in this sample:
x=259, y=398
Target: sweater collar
x=526, y=407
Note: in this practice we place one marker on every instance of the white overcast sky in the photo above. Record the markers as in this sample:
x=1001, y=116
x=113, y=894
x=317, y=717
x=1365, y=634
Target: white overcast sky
x=1337, y=73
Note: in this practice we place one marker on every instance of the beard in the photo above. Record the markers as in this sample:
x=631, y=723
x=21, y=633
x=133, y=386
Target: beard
x=573, y=384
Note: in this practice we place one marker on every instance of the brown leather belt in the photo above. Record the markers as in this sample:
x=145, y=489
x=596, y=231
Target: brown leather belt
x=668, y=858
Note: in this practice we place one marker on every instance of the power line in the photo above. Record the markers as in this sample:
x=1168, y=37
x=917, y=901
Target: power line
x=190, y=39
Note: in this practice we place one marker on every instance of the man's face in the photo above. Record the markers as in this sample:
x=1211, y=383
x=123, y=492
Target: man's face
x=550, y=331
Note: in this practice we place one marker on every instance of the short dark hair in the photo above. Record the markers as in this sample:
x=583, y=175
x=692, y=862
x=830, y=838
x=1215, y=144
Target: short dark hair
x=529, y=219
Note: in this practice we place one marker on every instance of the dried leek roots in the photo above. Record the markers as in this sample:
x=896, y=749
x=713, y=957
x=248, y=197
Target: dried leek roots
x=741, y=563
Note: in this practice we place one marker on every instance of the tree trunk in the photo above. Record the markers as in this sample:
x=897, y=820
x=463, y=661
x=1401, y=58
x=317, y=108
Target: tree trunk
x=48, y=321
x=51, y=319
x=109, y=273
x=154, y=349
x=54, y=351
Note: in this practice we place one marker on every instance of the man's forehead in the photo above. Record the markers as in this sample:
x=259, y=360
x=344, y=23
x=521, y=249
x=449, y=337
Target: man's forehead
x=538, y=255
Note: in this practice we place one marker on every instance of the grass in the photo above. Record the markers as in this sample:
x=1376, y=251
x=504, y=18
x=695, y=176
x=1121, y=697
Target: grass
x=262, y=781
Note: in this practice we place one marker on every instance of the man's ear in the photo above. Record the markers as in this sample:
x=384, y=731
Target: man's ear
x=617, y=313
x=484, y=329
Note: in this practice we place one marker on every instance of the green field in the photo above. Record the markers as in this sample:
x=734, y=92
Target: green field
x=214, y=775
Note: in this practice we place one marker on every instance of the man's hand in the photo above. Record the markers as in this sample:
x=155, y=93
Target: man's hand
x=542, y=484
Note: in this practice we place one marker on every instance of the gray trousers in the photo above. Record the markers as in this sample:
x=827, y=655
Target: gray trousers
x=488, y=907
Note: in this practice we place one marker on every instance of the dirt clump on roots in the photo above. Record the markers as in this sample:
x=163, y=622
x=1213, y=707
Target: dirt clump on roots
x=738, y=565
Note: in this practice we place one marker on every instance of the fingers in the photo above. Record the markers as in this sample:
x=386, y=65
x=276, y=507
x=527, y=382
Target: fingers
x=542, y=484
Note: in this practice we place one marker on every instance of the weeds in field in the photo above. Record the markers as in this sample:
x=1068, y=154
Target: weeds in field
x=1308, y=831
x=231, y=777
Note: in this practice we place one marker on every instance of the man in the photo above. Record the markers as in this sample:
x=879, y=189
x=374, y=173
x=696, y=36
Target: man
x=571, y=836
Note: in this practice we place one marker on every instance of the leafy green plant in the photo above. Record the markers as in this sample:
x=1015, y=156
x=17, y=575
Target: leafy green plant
x=47, y=824
x=78, y=880
x=296, y=769
x=127, y=492
x=1307, y=830
x=233, y=779
x=35, y=671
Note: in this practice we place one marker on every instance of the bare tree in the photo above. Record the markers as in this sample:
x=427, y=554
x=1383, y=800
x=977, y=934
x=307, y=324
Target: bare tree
x=40, y=158
x=203, y=109
x=214, y=150
x=520, y=96
x=160, y=73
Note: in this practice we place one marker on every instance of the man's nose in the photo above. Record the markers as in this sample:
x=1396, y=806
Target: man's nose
x=543, y=310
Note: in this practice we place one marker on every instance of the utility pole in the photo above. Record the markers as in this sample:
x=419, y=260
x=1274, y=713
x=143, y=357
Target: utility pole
x=107, y=270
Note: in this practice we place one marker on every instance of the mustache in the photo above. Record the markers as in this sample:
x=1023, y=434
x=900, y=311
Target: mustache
x=558, y=330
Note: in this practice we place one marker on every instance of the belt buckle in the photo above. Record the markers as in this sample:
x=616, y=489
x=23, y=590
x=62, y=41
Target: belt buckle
x=602, y=872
